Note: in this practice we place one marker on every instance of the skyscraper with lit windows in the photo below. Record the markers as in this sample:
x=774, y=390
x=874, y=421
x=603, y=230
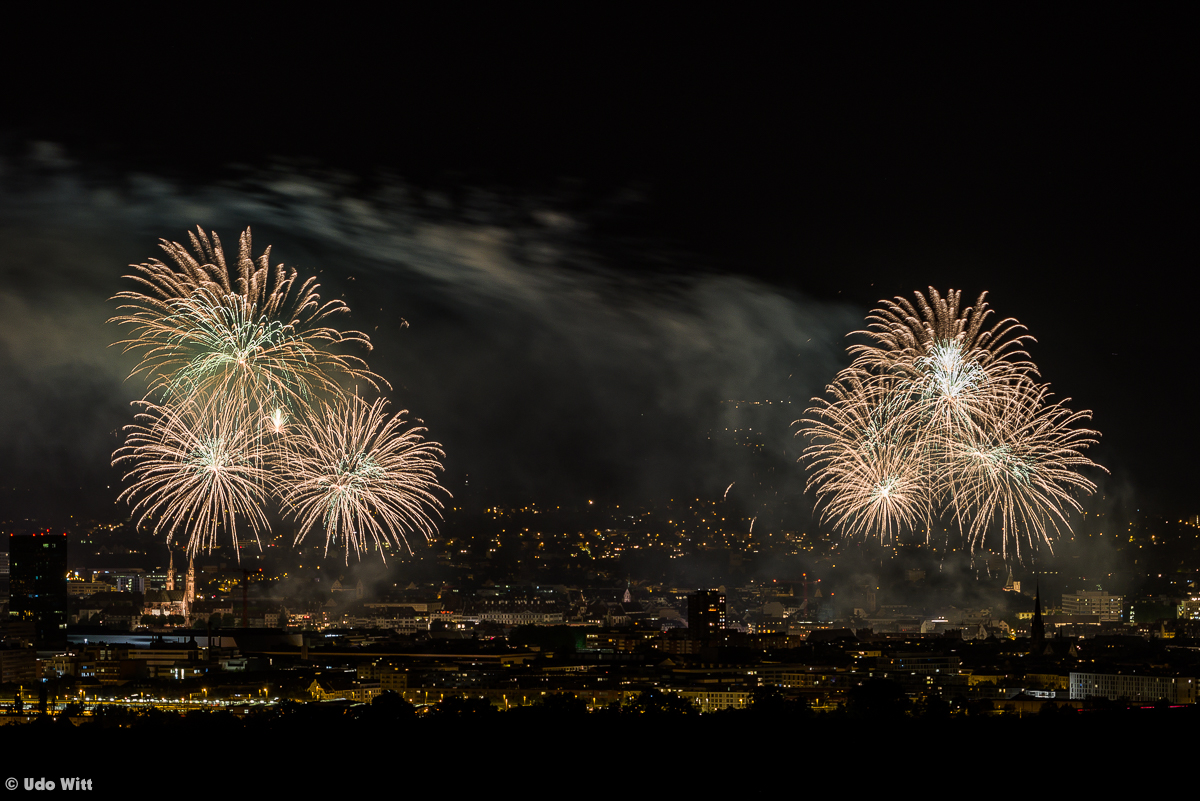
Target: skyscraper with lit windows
x=706, y=614
x=38, y=585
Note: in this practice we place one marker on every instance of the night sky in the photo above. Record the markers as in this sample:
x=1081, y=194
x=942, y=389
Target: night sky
x=597, y=236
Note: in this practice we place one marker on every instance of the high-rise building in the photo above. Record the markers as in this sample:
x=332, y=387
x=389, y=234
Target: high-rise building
x=706, y=613
x=38, y=585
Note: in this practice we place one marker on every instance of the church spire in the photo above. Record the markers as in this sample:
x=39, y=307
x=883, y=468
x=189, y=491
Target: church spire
x=1037, y=631
x=189, y=591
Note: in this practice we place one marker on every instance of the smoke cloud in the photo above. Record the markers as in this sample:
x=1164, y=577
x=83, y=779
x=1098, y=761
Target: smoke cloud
x=550, y=359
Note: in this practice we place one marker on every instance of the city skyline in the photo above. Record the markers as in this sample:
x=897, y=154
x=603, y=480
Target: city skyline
x=605, y=261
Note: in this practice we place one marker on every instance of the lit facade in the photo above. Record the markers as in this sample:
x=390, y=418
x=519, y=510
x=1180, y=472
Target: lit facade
x=1105, y=604
x=1135, y=687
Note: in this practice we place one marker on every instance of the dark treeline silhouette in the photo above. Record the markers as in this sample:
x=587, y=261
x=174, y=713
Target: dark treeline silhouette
x=877, y=718
x=874, y=702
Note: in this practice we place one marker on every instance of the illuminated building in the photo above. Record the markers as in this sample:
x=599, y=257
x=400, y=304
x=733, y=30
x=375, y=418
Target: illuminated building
x=17, y=665
x=525, y=609
x=707, y=701
x=130, y=580
x=706, y=614
x=1136, y=688
x=38, y=585
x=1188, y=609
x=172, y=601
x=1104, y=604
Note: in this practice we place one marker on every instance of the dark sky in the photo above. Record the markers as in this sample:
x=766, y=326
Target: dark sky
x=599, y=232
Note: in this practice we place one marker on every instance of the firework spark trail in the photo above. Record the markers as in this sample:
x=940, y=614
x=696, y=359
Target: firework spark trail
x=945, y=414
x=727, y=489
x=356, y=472
x=194, y=469
x=238, y=362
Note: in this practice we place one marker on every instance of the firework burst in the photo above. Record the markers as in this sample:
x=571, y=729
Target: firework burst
x=195, y=470
x=356, y=472
x=238, y=357
x=257, y=338
x=943, y=414
x=1022, y=474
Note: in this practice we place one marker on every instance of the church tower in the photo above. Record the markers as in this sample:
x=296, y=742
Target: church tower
x=189, y=591
x=1037, y=631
